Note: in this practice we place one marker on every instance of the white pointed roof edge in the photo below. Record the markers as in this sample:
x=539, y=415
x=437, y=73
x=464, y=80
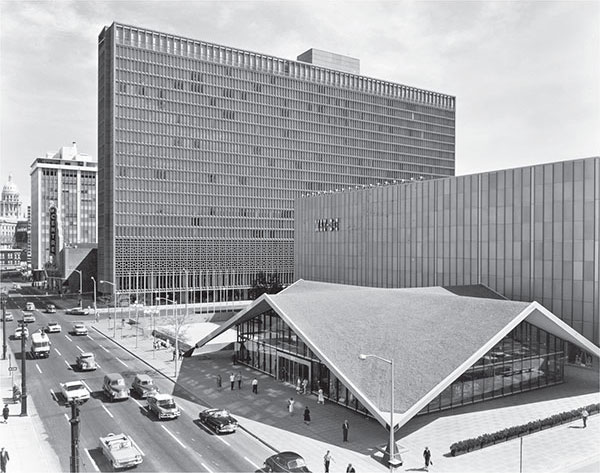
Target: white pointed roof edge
x=534, y=313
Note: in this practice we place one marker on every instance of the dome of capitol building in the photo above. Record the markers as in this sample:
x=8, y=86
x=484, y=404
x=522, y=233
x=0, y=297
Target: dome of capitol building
x=10, y=205
x=10, y=191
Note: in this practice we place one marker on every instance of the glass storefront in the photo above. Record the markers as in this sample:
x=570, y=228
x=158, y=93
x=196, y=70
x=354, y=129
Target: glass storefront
x=527, y=358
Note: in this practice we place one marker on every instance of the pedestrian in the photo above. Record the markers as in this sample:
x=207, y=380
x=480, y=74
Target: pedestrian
x=427, y=457
x=219, y=382
x=97, y=317
x=232, y=380
x=345, y=429
x=584, y=416
x=255, y=386
x=291, y=406
x=174, y=354
x=3, y=459
x=320, y=397
x=306, y=416
x=350, y=468
x=238, y=377
x=304, y=385
x=5, y=413
x=327, y=459
x=298, y=386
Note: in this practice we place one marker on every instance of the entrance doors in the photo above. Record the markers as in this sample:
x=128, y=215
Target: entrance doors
x=290, y=369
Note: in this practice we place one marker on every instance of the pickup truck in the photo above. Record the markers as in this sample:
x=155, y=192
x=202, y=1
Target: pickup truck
x=121, y=450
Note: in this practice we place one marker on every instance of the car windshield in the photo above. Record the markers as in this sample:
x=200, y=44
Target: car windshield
x=167, y=403
x=74, y=387
x=222, y=413
x=87, y=357
x=52, y=324
x=79, y=326
x=297, y=463
x=118, y=382
x=145, y=382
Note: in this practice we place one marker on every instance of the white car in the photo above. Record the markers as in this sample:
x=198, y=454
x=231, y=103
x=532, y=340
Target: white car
x=28, y=317
x=29, y=306
x=20, y=333
x=77, y=311
x=79, y=329
x=121, y=451
x=8, y=317
x=53, y=327
x=74, y=391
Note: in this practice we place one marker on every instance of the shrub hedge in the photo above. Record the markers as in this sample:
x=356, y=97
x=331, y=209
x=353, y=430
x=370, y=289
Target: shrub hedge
x=503, y=435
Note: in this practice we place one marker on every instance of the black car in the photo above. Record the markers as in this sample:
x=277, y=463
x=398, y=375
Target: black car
x=286, y=462
x=218, y=420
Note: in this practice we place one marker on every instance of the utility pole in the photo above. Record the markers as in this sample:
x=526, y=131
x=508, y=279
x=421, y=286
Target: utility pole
x=74, y=436
x=23, y=371
x=3, y=328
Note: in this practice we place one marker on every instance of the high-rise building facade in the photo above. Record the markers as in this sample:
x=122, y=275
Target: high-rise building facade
x=203, y=148
x=530, y=234
x=63, y=203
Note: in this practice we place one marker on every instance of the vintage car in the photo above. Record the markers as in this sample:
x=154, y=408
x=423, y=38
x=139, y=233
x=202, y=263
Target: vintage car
x=114, y=387
x=21, y=332
x=50, y=309
x=29, y=306
x=74, y=391
x=77, y=311
x=143, y=385
x=86, y=362
x=28, y=317
x=218, y=420
x=121, y=451
x=53, y=327
x=79, y=329
x=163, y=405
x=8, y=317
x=285, y=462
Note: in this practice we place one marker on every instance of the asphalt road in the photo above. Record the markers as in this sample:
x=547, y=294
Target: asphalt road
x=182, y=444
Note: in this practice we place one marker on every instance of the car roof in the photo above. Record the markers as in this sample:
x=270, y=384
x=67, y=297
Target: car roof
x=86, y=354
x=289, y=455
x=71, y=383
x=162, y=396
x=143, y=377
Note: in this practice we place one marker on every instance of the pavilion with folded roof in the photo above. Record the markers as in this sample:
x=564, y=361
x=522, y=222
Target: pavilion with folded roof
x=448, y=349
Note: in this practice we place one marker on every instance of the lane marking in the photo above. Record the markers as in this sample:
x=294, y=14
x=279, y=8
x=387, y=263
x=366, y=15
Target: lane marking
x=252, y=463
x=59, y=353
x=175, y=438
x=88, y=336
x=181, y=408
x=121, y=361
x=77, y=346
x=68, y=338
x=224, y=441
x=86, y=386
x=38, y=368
x=67, y=417
x=92, y=460
x=206, y=468
x=108, y=412
x=104, y=348
x=139, y=403
x=98, y=365
x=137, y=446
x=53, y=394
x=67, y=363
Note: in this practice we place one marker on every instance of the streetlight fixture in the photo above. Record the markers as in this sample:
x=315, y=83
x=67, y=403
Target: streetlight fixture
x=393, y=462
x=80, y=300
x=176, y=355
x=95, y=307
x=115, y=309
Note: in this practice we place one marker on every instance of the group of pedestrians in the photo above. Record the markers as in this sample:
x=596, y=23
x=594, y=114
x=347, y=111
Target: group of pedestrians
x=236, y=378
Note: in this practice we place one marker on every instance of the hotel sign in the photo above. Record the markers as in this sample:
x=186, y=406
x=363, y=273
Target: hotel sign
x=327, y=225
x=53, y=231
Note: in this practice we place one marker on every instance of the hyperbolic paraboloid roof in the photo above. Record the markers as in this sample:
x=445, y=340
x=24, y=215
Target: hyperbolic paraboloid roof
x=432, y=335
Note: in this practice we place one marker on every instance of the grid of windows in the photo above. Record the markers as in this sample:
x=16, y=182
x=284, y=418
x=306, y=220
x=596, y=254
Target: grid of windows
x=210, y=147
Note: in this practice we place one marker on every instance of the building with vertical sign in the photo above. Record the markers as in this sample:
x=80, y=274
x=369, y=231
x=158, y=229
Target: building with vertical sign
x=530, y=234
x=203, y=148
x=63, y=204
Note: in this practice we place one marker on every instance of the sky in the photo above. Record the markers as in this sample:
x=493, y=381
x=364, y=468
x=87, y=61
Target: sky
x=525, y=74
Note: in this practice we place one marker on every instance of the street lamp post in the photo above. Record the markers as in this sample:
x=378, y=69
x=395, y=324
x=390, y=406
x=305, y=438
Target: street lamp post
x=95, y=307
x=80, y=300
x=393, y=462
x=115, y=304
x=176, y=332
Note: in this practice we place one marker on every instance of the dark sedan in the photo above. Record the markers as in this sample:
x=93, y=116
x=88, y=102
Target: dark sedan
x=286, y=462
x=218, y=420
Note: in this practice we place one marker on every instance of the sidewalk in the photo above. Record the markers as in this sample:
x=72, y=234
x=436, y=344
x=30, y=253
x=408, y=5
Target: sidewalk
x=24, y=438
x=564, y=448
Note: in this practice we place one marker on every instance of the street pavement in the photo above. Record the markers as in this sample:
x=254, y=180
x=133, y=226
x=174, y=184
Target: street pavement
x=567, y=448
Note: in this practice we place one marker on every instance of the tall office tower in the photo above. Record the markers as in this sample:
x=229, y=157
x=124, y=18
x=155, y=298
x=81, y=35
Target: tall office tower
x=203, y=148
x=63, y=203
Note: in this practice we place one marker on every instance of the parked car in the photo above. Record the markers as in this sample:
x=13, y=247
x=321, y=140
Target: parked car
x=77, y=311
x=74, y=391
x=79, y=329
x=286, y=462
x=163, y=405
x=143, y=385
x=28, y=317
x=8, y=316
x=219, y=420
x=50, y=308
x=120, y=450
x=53, y=327
x=29, y=306
x=20, y=333
x=114, y=387
x=86, y=362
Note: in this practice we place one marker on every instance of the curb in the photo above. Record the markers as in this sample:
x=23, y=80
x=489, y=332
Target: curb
x=268, y=445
